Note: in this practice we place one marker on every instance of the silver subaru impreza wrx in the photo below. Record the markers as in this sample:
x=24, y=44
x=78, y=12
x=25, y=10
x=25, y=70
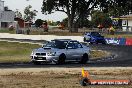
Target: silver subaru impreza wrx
x=61, y=51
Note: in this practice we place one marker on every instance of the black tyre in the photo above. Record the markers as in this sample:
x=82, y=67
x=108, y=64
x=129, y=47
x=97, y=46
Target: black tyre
x=61, y=59
x=96, y=42
x=104, y=42
x=84, y=59
x=85, y=82
x=36, y=63
x=84, y=39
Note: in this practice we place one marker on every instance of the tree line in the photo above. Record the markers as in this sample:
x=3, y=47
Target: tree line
x=79, y=10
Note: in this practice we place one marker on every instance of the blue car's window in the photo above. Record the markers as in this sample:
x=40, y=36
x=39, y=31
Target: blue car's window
x=95, y=34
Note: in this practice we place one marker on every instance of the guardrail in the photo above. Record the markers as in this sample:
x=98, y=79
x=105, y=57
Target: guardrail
x=119, y=41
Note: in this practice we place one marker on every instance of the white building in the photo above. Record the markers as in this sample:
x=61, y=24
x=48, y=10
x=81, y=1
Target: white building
x=1, y=5
x=6, y=16
x=127, y=22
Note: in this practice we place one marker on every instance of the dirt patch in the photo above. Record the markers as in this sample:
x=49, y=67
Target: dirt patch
x=59, y=77
x=98, y=54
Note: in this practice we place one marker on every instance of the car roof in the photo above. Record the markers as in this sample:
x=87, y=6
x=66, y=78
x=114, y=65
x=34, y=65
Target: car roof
x=91, y=33
x=68, y=40
x=61, y=40
x=94, y=32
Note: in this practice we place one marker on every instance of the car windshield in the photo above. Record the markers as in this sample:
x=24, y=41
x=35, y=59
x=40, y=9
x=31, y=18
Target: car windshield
x=95, y=34
x=57, y=44
x=50, y=44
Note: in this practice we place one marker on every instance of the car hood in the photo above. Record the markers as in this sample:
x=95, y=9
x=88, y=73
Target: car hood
x=44, y=49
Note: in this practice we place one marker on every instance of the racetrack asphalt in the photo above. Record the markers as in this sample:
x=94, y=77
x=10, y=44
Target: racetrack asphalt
x=123, y=55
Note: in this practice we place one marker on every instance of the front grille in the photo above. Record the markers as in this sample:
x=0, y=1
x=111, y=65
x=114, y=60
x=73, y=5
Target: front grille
x=40, y=58
x=41, y=54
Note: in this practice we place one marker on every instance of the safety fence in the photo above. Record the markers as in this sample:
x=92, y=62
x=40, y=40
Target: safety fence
x=119, y=41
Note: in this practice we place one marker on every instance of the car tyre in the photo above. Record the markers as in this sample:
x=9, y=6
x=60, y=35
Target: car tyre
x=84, y=39
x=84, y=59
x=61, y=59
x=104, y=43
x=96, y=42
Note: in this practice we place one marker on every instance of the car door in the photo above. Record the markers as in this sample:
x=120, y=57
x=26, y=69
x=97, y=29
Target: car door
x=70, y=51
x=79, y=50
x=73, y=51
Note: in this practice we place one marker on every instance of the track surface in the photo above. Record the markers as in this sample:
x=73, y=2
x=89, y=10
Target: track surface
x=123, y=59
x=123, y=55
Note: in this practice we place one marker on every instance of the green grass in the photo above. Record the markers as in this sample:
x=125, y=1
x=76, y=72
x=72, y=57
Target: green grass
x=5, y=30
x=11, y=52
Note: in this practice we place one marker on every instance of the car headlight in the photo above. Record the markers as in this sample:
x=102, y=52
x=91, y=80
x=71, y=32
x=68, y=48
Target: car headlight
x=51, y=53
x=32, y=53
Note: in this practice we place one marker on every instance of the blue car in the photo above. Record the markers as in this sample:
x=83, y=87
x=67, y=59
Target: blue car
x=94, y=37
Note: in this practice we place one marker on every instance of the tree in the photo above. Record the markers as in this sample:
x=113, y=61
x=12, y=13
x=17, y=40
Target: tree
x=125, y=6
x=118, y=8
x=65, y=22
x=38, y=22
x=18, y=14
x=99, y=17
x=76, y=10
x=29, y=14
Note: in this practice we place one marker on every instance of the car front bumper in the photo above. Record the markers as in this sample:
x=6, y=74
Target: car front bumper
x=44, y=58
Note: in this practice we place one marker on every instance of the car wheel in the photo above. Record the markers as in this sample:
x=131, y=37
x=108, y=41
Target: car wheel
x=96, y=42
x=85, y=82
x=84, y=39
x=36, y=63
x=61, y=59
x=104, y=43
x=84, y=59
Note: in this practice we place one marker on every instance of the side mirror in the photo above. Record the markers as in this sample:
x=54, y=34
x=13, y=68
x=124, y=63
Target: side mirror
x=43, y=45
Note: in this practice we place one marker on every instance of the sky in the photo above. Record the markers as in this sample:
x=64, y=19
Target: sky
x=36, y=5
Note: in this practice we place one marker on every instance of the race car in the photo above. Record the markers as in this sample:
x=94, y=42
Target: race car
x=94, y=37
x=61, y=51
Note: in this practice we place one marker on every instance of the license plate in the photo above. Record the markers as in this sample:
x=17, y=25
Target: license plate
x=40, y=58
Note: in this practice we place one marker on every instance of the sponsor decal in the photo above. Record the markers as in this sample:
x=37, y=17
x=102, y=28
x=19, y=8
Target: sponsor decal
x=128, y=41
x=109, y=82
x=116, y=41
x=87, y=80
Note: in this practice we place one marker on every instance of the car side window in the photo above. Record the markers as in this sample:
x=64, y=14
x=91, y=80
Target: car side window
x=79, y=45
x=74, y=45
x=88, y=34
x=71, y=45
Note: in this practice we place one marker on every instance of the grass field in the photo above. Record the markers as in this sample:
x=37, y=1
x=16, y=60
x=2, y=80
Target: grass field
x=13, y=52
x=60, y=77
x=5, y=30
